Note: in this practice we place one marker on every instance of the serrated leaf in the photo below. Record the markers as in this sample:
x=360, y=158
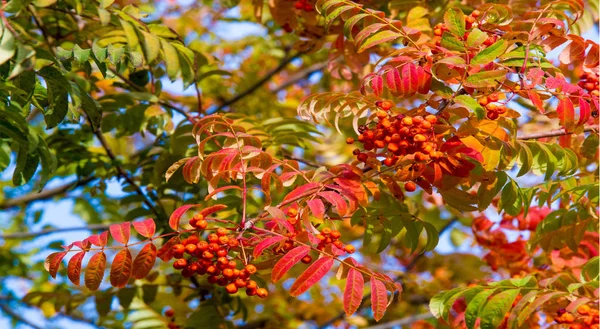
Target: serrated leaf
x=94, y=273
x=490, y=53
x=471, y=104
x=485, y=79
x=264, y=244
x=474, y=306
x=165, y=253
x=286, y=262
x=176, y=215
x=454, y=19
x=145, y=228
x=121, y=269
x=379, y=298
x=378, y=38
x=315, y=272
x=53, y=261
x=74, y=267
x=476, y=38
x=171, y=58
x=494, y=311
x=120, y=232
x=99, y=240
x=143, y=262
x=532, y=307
x=353, y=291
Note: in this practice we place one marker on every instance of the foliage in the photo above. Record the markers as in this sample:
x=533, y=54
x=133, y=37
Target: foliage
x=478, y=118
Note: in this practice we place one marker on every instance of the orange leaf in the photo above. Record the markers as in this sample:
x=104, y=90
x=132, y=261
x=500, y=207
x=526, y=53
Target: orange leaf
x=165, y=253
x=378, y=298
x=287, y=261
x=317, y=208
x=315, y=272
x=302, y=191
x=143, y=262
x=74, y=268
x=52, y=262
x=266, y=243
x=353, y=292
x=145, y=228
x=566, y=113
x=95, y=271
x=120, y=271
x=536, y=100
x=121, y=232
x=176, y=215
x=99, y=240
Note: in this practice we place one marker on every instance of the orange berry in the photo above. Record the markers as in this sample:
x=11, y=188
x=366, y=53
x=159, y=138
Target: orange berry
x=228, y=273
x=385, y=105
x=178, y=248
x=207, y=255
x=407, y=121
x=321, y=237
x=338, y=244
x=431, y=118
x=475, y=13
x=262, y=292
x=426, y=125
x=306, y=259
x=483, y=101
x=349, y=249
x=251, y=268
x=213, y=238
x=251, y=284
x=583, y=310
x=231, y=288
x=335, y=234
x=494, y=97
x=191, y=248
x=437, y=32
x=326, y=231
x=419, y=138
x=180, y=264
x=233, y=242
x=201, y=224
x=410, y=187
x=349, y=140
x=223, y=240
x=381, y=114
x=240, y=283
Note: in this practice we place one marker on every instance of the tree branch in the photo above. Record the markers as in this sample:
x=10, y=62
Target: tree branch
x=300, y=75
x=260, y=82
x=409, y=267
x=554, y=133
x=122, y=173
x=45, y=194
x=6, y=309
x=25, y=235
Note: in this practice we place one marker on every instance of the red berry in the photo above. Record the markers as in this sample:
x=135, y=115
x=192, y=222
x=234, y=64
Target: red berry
x=169, y=313
x=306, y=259
x=251, y=268
x=262, y=292
x=410, y=187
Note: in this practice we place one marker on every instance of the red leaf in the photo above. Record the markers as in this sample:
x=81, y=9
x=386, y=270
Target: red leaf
x=120, y=271
x=165, y=253
x=378, y=298
x=410, y=80
x=315, y=272
x=287, y=261
x=145, y=228
x=52, y=262
x=266, y=243
x=221, y=189
x=121, y=232
x=377, y=85
x=99, y=240
x=176, y=215
x=317, y=208
x=302, y=191
x=143, y=262
x=336, y=200
x=566, y=112
x=584, y=111
x=74, y=267
x=393, y=80
x=536, y=100
x=94, y=273
x=211, y=210
x=353, y=292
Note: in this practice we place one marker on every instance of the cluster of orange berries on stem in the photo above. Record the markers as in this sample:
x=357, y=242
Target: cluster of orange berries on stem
x=328, y=237
x=589, y=82
x=211, y=257
x=398, y=135
x=585, y=318
x=494, y=110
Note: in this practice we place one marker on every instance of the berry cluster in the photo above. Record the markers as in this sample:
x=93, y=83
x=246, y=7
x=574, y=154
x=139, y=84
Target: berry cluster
x=589, y=82
x=328, y=237
x=494, y=110
x=303, y=5
x=211, y=257
x=169, y=313
x=586, y=318
x=398, y=136
x=470, y=22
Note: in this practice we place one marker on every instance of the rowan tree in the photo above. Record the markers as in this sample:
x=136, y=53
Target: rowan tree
x=424, y=164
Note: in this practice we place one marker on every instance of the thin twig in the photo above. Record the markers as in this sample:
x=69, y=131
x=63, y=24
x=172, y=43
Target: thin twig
x=299, y=76
x=260, y=82
x=25, y=235
x=447, y=102
x=45, y=194
x=122, y=173
x=8, y=310
x=554, y=133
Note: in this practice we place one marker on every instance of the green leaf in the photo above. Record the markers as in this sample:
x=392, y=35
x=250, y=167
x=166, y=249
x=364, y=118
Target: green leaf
x=210, y=73
x=64, y=54
x=589, y=272
x=7, y=44
x=432, y=236
x=81, y=55
x=58, y=97
x=451, y=42
x=43, y=3
x=125, y=296
x=475, y=305
x=485, y=79
x=378, y=38
x=26, y=166
x=494, y=311
x=151, y=46
x=171, y=57
x=459, y=199
x=48, y=162
x=207, y=316
x=103, y=302
x=130, y=33
x=440, y=304
x=539, y=301
x=471, y=104
x=511, y=199
x=386, y=236
x=454, y=19
x=149, y=292
x=92, y=109
x=162, y=31
x=476, y=38
x=490, y=53
x=99, y=52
